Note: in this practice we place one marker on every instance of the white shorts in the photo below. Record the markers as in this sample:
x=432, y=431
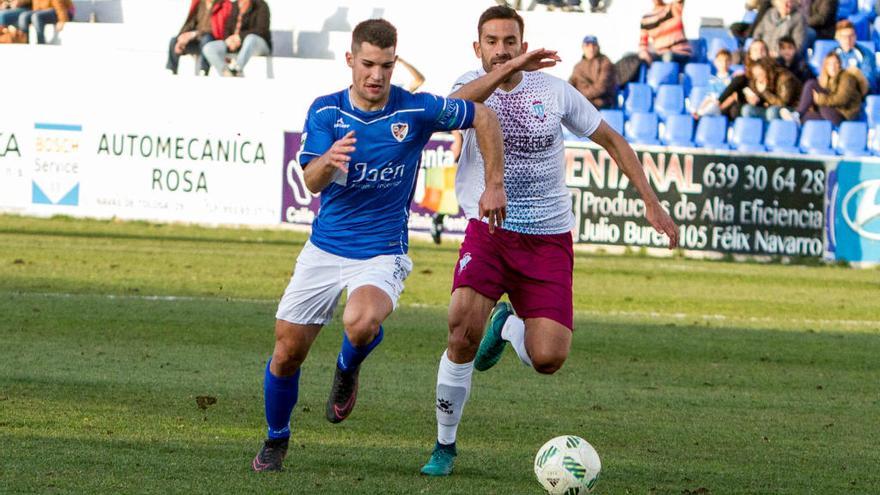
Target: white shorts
x=320, y=277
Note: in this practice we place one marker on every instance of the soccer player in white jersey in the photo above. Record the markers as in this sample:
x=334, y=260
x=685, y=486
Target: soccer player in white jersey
x=361, y=150
x=531, y=257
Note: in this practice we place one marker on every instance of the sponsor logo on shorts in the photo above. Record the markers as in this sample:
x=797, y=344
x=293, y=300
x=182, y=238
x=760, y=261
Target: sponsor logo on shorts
x=463, y=262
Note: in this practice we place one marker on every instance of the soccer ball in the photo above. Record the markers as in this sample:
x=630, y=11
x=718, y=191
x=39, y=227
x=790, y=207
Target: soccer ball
x=567, y=465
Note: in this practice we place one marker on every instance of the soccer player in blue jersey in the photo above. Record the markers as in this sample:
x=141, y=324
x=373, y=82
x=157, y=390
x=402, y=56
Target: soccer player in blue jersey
x=361, y=150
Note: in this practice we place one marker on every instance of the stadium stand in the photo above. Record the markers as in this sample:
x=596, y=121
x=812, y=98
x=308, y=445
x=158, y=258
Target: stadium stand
x=130, y=38
x=641, y=128
x=614, y=118
x=816, y=138
x=679, y=131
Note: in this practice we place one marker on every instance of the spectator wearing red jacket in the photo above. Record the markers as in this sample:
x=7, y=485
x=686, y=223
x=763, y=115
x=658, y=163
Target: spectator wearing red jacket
x=205, y=22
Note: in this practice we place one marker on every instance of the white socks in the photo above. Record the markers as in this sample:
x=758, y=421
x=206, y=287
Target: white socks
x=453, y=389
x=514, y=331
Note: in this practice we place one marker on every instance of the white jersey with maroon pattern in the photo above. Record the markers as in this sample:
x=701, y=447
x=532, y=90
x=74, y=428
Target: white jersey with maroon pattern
x=531, y=117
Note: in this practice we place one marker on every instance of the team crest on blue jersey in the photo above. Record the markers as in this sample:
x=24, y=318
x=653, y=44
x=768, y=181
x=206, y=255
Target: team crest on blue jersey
x=399, y=131
x=538, y=109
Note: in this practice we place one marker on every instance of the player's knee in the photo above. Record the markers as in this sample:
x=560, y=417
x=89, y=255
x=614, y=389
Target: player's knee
x=547, y=363
x=287, y=358
x=462, y=341
x=361, y=329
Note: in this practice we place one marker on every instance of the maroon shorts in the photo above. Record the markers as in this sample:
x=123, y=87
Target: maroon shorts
x=534, y=270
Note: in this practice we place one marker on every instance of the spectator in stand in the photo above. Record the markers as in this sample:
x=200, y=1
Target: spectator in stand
x=742, y=30
x=821, y=17
x=836, y=95
x=733, y=97
x=852, y=54
x=790, y=59
x=771, y=88
x=594, y=76
x=11, y=9
x=662, y=34
x=205, y=23
x=784, y=19
x=717, y=84
x=246, y=34
x=44, y=12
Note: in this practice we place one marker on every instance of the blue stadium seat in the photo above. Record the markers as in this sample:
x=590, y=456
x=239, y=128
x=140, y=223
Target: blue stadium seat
x=698, y=49
x=820, y=49
x=716, y=44
x=749, y=16
x=669, y=100
x=662, y=73
x=614, y=118
x=846, y=8
x=695, y=97
x=816, y=138
x=712, y=132
x=748, y=134
x=874, y=141
x=872, y=109
x=852, y=139
x=782, y=136
x=862, y=24
x=638, y=98
x=641, y=128
x=696, y=74
x=679, y=131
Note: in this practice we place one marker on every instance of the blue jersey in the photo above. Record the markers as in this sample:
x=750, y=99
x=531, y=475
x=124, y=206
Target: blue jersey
x=365, y=213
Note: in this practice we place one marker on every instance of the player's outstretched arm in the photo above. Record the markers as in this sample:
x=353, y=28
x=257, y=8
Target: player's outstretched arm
x=320, y=171
x=622, y=154
x=493, y=202
x=481, y=88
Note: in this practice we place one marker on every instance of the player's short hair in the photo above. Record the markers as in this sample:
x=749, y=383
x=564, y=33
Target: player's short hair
x=377, y=32
x=500, y=12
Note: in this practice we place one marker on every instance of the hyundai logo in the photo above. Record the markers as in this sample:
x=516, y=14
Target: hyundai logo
x=866, y=199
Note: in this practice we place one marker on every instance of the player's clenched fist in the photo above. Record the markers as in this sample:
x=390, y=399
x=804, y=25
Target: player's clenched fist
x=340, y=153
x=493, y=206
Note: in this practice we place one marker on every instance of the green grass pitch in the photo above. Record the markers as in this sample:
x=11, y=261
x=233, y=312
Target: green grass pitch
x=687, y=376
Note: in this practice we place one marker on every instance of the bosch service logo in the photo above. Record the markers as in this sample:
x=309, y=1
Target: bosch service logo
x=861, y=209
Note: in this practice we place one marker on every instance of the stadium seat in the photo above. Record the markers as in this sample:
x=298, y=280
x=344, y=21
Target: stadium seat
x=679, y=131
x=696, y=74
x=862, y=24
x=737, y=69
x=852, y=139
x=698, y=50
x=872, y=109
x=781, y=136
x=716, y=44
x=874, y=141
x=662, y=73
x=818, y=52
x=747, y=135
x=614, y=118
x=749, y=16
x=712, y=132
x=638, y=98
x=816, y=138
x=641, y=128
x=669, y=100
x=695, y=97
x=846, y=8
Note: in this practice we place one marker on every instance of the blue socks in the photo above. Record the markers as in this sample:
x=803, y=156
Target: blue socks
x=280, y=395
x=350, y=357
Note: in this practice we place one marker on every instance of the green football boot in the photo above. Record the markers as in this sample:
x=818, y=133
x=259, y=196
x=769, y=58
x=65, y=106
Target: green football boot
x=492, y=344
x=441, y=461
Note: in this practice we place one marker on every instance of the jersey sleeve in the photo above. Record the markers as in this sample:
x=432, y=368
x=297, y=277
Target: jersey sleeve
x=464, y=79
x=579, y=115
x=318, y=135
x=447, y=114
